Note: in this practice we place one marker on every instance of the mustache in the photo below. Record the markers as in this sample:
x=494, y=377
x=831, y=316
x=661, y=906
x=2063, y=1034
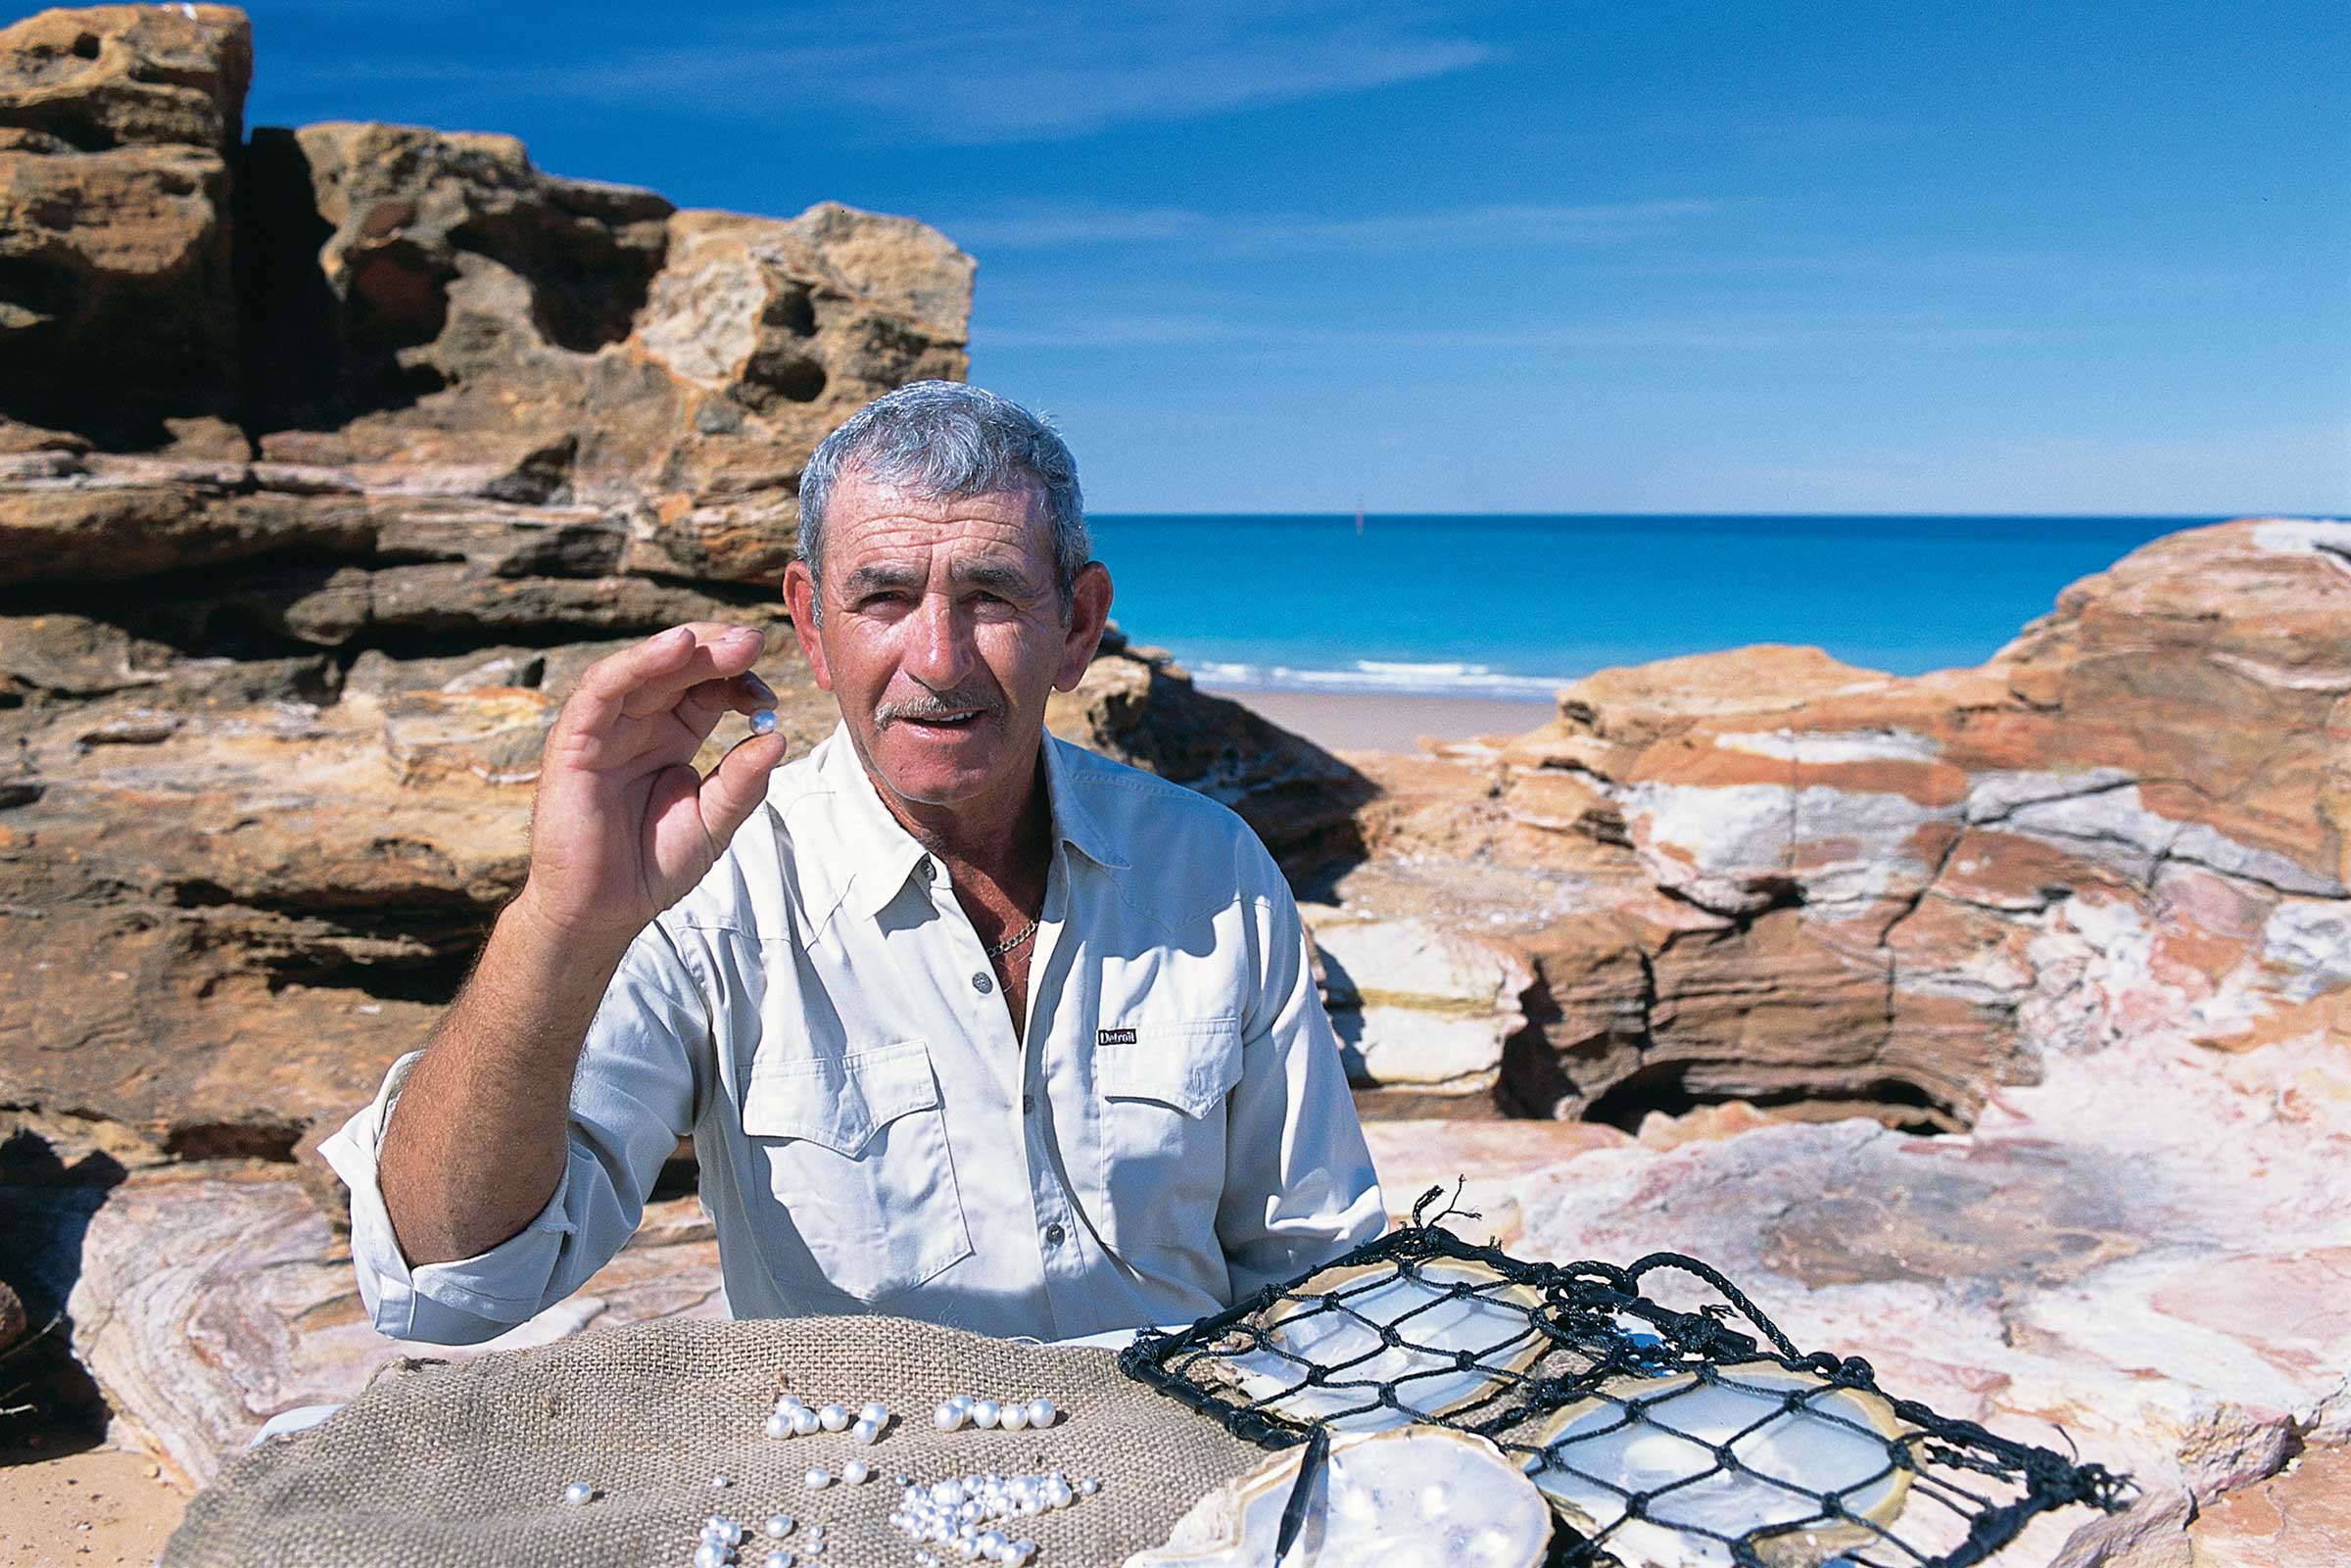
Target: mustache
x=938, y=705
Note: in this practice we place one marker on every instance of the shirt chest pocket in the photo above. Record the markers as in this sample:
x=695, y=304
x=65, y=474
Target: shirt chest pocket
x=855, y=1148
x=1161, y=1143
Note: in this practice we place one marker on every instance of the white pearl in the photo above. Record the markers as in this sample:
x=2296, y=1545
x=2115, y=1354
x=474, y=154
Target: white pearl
x=778, y=1425
x=947, y=1493
x=817, y=1477
x=1088, y=1487
x=577, y=1493
x=985, y=1412
x=1011, y=1418
x=947, y=1417
x=1041, y=1413
x=866, y=1432
x=803, y=1421
x=962, y=1401
x=788, y=1402
x=856, y=1472
x=778, y=1526
x=777, y=1559
x=1057, y=1494
x=875, y=1412
x=834, y=1418
x=719, y=1483
x=1021, y=1551
x=709, y=1554
x=989, y=1543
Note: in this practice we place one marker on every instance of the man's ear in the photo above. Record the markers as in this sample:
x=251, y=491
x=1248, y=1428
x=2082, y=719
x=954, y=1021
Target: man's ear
x=1089, y=613
x=799, y=597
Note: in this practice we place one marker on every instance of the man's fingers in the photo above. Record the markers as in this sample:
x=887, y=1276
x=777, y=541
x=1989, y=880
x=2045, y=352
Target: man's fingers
x=706, y=704
x=738, y=784
x=650, y=677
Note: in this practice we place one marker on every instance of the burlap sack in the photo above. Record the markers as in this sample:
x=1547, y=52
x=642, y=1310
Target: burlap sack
x=460, y=1465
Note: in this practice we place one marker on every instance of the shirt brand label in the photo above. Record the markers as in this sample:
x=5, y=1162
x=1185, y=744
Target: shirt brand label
x=1114, y=1037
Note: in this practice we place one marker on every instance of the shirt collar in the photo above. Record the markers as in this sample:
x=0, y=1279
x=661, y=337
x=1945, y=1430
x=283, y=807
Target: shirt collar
x=876, y=854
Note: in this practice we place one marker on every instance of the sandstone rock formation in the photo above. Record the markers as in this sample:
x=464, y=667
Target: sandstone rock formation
x=1763, y=876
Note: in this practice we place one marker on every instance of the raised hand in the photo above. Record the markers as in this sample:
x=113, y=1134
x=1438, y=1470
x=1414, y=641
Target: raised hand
x=623, y=827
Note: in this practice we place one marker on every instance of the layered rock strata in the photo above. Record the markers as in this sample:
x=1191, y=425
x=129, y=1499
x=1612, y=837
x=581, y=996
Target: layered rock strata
x=1766, y=877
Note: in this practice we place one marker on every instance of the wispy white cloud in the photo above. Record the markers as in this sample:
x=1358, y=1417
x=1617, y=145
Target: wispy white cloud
x=994, y=70
x=1510, y=223
x=2292, y=469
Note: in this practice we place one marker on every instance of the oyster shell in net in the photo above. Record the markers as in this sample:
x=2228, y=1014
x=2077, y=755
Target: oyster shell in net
x=1412, y=1497
x=1436, y=1310
x=1658, y=1437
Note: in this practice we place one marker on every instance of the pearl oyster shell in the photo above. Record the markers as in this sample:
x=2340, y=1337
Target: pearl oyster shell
x=1836, y=1442
x=1410, y=1497
x=1493, y=1321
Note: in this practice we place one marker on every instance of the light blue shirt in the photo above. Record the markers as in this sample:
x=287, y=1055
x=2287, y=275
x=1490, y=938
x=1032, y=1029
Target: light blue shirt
x=1171, y=1129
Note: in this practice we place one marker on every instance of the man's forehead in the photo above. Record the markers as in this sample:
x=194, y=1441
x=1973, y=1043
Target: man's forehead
x=868, y=523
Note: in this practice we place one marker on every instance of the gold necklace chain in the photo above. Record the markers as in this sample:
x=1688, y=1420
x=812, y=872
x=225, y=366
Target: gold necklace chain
x=1014, y=940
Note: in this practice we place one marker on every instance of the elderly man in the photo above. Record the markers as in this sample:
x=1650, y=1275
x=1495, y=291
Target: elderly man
x=967, y=1024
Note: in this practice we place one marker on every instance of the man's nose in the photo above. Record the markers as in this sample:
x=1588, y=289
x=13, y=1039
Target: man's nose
x=942, y=650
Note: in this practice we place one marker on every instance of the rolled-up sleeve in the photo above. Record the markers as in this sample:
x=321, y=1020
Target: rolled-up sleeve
x=633, y=1095
x=1299, y=1185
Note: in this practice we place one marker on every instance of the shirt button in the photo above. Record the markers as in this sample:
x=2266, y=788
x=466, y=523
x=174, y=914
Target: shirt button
x=1027, y=1104
x=983, y=984
x=1054, y=1234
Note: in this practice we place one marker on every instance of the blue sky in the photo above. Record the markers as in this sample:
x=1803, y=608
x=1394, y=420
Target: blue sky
x=1297, y=256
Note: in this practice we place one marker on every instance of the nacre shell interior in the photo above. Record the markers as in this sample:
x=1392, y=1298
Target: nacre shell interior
x=1835, y=1442
x=1493, y=1322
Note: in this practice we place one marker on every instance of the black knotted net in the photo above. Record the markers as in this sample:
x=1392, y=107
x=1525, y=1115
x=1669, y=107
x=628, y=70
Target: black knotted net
x=1659, y=1435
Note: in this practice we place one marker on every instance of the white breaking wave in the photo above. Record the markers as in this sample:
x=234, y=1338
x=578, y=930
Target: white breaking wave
x=1405, y=678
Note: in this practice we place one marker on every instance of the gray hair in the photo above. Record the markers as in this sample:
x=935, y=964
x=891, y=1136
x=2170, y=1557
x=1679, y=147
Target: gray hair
x=945, y=440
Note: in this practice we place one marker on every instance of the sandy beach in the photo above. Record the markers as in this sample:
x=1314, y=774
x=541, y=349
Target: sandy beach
x=1354, y=721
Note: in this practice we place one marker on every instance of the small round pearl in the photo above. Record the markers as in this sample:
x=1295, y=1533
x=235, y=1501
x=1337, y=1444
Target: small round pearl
x=834, y=1418
x=1021, y=1551
x=709, y=1554
x=577, y=1493
x=985, y=1412
x=719, y=1483
x=866, y=1432
x=876, y=1411
x=947, y=1493
x=763, y=721
x=777, y=1559
x=1088, y=1487
x=778, y=1526
x=778, y=1425
x=1013, y=1417
x=817, y=1477
x=803, y=1421
x=962, y=1401
x=1041, y=1413
x=788, y=1402
x=856, y=1472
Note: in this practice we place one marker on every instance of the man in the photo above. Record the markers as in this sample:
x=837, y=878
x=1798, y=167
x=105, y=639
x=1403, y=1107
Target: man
x=967, y=1024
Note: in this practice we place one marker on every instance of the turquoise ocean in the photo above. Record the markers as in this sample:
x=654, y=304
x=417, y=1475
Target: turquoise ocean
x=1511, y=606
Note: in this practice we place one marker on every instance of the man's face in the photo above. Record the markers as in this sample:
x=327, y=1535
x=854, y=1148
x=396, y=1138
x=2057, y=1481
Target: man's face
x=943, y=633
